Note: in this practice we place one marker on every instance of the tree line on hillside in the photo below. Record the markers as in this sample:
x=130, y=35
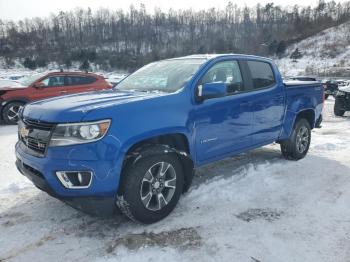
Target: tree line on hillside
x=129, y=39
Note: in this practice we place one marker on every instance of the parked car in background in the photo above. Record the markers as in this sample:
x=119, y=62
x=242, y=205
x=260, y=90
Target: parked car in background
x=46, y=85
x=342, y=100
x=330, y=87
x=341, y=82
x=136, y=146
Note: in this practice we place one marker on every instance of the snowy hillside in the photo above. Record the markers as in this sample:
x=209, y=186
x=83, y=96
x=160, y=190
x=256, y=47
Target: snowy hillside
x=327, y=53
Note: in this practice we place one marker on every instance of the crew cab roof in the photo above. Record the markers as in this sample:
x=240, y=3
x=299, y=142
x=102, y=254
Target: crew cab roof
x=213, y=56
x=77, y=73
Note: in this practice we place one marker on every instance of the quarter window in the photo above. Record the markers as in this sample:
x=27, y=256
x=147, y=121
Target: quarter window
x=262, y=74
x=227, y=72
x=80, y=80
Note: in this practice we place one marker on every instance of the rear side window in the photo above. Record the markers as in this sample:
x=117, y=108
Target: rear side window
x=262, y=74
x=80, y=80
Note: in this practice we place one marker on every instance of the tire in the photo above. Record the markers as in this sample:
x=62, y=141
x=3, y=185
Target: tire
x=297, y=146
x=10, y=112
x=337, y=108
x=135, y=197
x=326, y=96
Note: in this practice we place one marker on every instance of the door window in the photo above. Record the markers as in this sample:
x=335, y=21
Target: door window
x=226, y=72
x=80, y=80
x=261, y=73
x=53, y=81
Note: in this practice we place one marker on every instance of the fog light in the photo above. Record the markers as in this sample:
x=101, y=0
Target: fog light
x=75, y=179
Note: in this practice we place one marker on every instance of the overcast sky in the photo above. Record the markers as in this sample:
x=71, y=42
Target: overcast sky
x=19, y=9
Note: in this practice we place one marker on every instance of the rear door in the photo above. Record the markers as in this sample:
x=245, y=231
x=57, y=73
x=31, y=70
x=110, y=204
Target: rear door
x=80, y=83
x=53, y=85
x=268, y=102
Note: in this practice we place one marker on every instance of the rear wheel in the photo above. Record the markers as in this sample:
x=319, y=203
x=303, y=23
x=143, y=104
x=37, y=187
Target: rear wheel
x=338, y=111
x=10, y=112
x=297, y=146
x=151, y=188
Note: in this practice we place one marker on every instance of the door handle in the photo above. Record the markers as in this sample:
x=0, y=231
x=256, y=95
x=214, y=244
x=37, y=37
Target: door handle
x=63, y=92
x=90, y=89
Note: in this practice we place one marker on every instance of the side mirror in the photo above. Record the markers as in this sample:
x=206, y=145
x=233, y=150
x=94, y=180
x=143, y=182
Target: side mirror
x=212, y=90
x=39, y=85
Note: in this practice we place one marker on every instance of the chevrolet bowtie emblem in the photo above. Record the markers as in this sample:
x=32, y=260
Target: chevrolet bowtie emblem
x=24, y=132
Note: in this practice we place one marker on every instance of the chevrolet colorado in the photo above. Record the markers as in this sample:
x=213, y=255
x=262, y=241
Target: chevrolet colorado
x=136, y=147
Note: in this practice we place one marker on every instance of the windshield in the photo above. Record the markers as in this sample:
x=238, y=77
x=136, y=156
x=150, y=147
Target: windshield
x=164, y=76
x=28, y=80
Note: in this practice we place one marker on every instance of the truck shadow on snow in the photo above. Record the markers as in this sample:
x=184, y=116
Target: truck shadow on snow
x=61, y=221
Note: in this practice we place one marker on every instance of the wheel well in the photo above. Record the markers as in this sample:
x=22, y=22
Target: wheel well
x=14, y=101
x=309, y=115
x=176, y=141
x=9, y=102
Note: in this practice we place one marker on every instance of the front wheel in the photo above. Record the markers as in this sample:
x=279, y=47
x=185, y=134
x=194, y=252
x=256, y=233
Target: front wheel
x=10, y=113
x=151, y=188
x=297, y=146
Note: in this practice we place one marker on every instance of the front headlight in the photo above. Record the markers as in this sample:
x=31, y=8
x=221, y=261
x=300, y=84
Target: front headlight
x=79, y=133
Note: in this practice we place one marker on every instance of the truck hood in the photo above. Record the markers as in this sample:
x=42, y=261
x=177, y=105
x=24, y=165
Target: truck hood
x=345, y=88
x=73, y=108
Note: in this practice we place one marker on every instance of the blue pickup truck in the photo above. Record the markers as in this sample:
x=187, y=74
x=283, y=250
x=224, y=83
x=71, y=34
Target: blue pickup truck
x=135, y=148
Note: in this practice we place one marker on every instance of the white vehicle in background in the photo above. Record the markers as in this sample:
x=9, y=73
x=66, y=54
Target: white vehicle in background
x=342, y=100
x=342, y=82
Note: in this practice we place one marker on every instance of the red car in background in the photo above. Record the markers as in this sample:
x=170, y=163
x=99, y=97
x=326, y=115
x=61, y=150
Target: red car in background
x=41, y=86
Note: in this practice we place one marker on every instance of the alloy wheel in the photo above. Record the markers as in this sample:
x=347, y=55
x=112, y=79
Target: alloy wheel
x=13, y=112
x=302, y=139
x=158, y=186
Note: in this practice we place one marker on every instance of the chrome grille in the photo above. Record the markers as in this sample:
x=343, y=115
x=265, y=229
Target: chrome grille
x=31, y=123
x=35, y=135
x=35, y=144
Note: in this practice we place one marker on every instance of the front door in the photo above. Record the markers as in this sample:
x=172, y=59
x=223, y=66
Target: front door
x=52, y=86
x=223, y=125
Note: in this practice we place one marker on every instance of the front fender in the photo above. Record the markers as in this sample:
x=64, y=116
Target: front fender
x=147, y=150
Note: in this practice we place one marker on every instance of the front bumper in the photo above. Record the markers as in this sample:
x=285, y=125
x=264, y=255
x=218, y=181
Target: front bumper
x=98, y=199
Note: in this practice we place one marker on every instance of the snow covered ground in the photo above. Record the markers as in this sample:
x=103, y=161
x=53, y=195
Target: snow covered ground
x=327, y=52
x=252, y=207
